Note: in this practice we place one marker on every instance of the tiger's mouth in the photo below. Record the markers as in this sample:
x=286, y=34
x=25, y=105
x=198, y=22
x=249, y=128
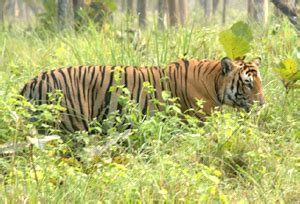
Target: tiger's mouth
x=244, y=105
x=247, y=106
x=240, y=103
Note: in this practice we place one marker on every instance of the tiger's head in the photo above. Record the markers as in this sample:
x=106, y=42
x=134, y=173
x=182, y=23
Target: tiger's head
x=242, y=84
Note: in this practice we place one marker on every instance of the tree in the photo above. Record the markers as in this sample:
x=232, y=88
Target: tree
x=130, y=8
x=173, y=12
x=290, y=13
x=162, y=13
x=215, y=6
x=2, y=12
x=141, y=10
x=207, y=8
x=225, y=2
x=77, y=5
x=258, y=10
x=183, y=5
x=65, y=14
x=162, y=8
x=122, y=5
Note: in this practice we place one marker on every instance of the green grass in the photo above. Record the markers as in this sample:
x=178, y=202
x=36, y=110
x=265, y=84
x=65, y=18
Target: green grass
x=235, y=157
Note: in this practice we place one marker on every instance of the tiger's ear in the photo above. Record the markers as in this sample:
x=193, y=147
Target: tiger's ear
x=226, y=65
x=257, y=61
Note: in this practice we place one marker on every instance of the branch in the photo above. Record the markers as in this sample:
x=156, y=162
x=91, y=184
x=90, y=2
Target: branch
x=290, y=13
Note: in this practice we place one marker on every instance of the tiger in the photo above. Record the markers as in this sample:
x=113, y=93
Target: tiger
x=87, y=92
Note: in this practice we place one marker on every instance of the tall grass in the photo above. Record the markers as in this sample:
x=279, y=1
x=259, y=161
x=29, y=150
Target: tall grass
x=234, y=157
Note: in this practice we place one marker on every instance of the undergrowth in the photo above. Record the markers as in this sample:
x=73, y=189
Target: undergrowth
x=233, y=157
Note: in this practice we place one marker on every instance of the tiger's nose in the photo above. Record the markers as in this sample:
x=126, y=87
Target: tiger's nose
x=262, y=102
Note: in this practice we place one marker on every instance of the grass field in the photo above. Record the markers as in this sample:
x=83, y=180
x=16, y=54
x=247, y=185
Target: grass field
x=235, y=157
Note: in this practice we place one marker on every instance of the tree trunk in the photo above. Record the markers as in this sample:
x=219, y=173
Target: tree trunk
x=141, y=10
x=130, y=8
x=65, y=14
x=290, y=13
x=77, y=5
x=16, y=8
x=215, y=6
x=258, y=10
x=173, y=12
x=207, y=9
x=161, y=14
x=225, y=2
x=2, y=12
x=183, y=5
x=10, y=8
x=162, y=11
x=122, y=5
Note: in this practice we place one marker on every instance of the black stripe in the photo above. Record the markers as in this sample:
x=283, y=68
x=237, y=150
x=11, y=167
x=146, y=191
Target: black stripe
x=199, y=69
x=85, y=124
x=143, y=75
x=54, y=79
x=103, y=74
x=213, y=68
x=146, y=99
x=31, y=91
x=232, y=84
x=48, y=88
x=119, y=106
x=217, y=87
x=67, y=88
x=134, y=82
x=33, y=88
x=108, y=94
x=40, y=89
x=22, y=92
x=161, y=75
x=70, y=98
x=80, y=71
x=84, y=82
x=93, y=95
x=194, y=72
x=90, y=92
x=154, y=81
x=74, y=78
x=175, y=79
x=169, y=82
x=207, y=68
x=251, y=70
x=144, y=111
x=186, y=63
x=65, y=127
x=139, y=88
x=69, y=71
x=71, y=119
x=125, y=77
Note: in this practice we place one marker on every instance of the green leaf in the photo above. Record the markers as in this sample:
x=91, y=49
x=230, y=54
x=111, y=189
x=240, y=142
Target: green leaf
x=294, y=86
x=234, y=45
x=236, y=40
x=289, y=73
x=242, y=29
x=296, y=76
x=287, y=69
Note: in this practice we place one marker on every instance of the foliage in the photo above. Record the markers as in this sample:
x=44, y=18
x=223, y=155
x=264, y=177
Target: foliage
x=289, y=73
x=96, y=11
x=235, y=157
x=236, y=40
